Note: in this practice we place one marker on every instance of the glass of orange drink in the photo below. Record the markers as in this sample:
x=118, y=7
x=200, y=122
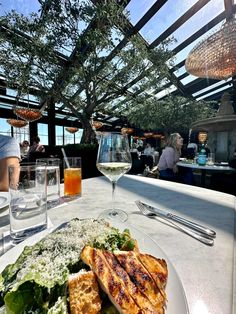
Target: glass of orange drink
x=72, y=177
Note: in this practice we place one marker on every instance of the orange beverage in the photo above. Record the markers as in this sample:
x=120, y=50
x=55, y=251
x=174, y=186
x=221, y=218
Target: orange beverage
x=72, y=182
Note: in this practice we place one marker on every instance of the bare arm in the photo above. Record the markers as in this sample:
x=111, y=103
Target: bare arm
x=4, y=163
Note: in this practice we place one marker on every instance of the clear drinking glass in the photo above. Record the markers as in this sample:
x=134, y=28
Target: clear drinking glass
x=53, y=180
x=72, y=177
x=114, y=160
x=28, y=200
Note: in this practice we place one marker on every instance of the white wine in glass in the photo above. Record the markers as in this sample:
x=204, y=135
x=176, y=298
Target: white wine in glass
x=114, y=160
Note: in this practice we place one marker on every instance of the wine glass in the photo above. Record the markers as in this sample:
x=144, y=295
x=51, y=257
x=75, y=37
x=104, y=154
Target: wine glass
x=114, y=160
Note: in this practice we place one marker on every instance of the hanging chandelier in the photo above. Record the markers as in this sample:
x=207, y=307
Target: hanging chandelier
x=28, y=114
x=97, y=124
x=72, y=130
x=148, y=134
x=202, y=137
x=127, y=130
x=156, y=136
x=17, y=123
x=215, y=56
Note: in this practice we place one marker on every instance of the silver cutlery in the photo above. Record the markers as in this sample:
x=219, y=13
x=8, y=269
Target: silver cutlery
x=188, y=223
x=204, y=238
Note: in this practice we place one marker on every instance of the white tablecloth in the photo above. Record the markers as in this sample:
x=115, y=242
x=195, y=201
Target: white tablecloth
x=206, y=273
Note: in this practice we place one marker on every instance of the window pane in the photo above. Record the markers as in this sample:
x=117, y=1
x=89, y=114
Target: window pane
x=69, y=138
x=5, y=128
x=59, y=135
x=72, y=138
x=43, y=133
x=21, y=134
x=78, y=136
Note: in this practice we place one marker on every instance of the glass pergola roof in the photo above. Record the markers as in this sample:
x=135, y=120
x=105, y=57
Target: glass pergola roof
x=187, y=22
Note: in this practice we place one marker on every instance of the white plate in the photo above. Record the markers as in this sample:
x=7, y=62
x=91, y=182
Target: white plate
x=176, y=304
x=4, y=200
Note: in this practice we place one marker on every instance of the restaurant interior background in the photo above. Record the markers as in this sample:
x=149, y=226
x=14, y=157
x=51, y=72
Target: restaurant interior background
x=175, y=31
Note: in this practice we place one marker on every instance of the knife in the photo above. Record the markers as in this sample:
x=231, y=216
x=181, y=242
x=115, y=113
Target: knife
x=186, y=222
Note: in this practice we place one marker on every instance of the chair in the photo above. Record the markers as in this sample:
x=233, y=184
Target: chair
x=137, y=164
x=224, y=182
x=36, y=155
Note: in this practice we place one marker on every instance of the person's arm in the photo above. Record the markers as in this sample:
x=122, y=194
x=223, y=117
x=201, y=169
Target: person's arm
x=4, y=163
x=41, y=149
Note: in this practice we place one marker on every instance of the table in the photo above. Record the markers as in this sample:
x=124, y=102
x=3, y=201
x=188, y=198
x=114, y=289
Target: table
x=204, y=169
x=206, y=272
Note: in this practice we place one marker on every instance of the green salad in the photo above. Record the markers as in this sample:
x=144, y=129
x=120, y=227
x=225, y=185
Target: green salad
x=37, y=281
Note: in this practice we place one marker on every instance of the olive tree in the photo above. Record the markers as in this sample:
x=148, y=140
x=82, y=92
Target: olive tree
x=82, y=54
x=172, y=114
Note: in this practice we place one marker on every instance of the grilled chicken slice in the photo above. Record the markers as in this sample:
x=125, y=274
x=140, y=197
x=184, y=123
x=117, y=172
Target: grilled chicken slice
x=141, y=277
x=141, y=300
x=157, y=268
x=109, y=281
x=84, y=293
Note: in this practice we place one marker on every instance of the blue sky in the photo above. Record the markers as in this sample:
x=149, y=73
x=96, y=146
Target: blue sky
x=22, y=6
x=167, y=15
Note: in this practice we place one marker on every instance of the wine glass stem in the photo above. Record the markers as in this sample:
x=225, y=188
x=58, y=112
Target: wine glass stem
x=113, y=195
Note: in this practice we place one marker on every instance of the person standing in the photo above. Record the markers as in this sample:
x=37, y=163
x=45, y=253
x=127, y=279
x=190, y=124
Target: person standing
x=9, y=155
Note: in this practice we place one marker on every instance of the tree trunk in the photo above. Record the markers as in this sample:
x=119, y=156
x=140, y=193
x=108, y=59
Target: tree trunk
x=89, y=136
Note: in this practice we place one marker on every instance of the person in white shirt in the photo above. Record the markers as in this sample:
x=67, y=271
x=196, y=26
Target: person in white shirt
x=9, y=155
x=149, y=150
x=24, y=148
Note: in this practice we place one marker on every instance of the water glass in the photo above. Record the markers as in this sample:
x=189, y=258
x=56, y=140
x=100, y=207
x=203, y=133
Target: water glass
x=72, y=177
x=28, y=200
x=53, y=180
x=211, y=159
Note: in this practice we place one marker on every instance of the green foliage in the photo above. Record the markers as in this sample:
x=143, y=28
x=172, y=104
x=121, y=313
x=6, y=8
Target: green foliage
x=173, y=114
x=94, y=78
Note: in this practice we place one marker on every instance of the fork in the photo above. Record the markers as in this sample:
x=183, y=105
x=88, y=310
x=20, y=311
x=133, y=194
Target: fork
x=204, y=239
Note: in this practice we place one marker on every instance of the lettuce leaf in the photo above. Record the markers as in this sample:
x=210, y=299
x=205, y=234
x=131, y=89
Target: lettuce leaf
x=20, y=301
x=60, y=307
x=32, y=298
x=36, y=281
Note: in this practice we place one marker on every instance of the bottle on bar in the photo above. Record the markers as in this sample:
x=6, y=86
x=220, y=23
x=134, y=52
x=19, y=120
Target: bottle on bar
x=202, y=157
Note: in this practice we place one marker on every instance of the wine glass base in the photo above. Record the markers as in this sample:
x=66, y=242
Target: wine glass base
x=114, y=215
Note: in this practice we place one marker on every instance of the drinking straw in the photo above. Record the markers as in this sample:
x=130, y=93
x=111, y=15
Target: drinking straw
x=65, y=157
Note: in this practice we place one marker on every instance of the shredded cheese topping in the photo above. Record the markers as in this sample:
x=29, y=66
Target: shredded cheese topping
x=48, y=261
